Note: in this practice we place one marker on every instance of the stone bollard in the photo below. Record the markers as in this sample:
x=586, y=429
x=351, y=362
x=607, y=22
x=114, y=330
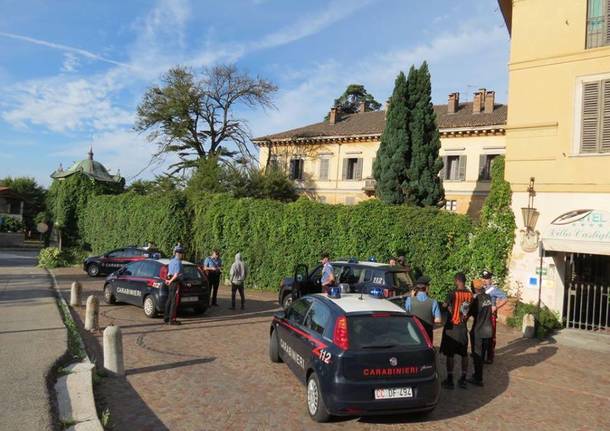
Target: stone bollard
x=75, y=294
x=92, y=314
x=528, y=327
x=113, y=350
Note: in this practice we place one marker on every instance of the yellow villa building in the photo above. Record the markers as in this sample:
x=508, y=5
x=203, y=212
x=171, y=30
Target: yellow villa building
x=558, y=154
x=332, y=161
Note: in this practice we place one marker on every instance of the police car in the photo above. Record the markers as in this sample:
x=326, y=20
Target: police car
x=142, y=283
x=358, y=276
x=357, y=355
x=115, y=259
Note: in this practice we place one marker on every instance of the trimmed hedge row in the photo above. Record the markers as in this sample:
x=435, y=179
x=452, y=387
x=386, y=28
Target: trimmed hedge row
x=130, y=219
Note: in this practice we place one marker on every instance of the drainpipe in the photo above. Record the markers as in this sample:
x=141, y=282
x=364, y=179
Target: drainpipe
x=338, y=171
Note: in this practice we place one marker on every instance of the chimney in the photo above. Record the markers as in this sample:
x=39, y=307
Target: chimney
x=362, y=107
x=332, y=116
x=490, y=100
x=386, y=106
x=478, y=101
x=453, y=103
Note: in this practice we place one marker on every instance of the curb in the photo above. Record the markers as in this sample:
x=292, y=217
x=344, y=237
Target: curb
x=74, y=391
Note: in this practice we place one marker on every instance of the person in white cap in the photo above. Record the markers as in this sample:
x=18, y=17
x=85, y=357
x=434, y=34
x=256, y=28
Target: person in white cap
x=174, y=276
x=498, y=300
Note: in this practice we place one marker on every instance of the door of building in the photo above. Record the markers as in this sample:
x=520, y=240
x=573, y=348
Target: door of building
x=586, y=300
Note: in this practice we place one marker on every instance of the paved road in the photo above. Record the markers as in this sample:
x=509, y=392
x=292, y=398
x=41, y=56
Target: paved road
x=32, y=338
x=213, y=373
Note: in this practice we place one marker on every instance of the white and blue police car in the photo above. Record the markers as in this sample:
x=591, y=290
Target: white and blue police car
x=357, y=355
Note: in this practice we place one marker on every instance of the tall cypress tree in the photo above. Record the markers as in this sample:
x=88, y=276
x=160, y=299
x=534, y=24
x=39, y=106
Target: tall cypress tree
x=423, y=185
x=394, y=155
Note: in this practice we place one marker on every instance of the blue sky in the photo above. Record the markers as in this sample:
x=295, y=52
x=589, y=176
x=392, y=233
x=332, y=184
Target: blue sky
x=72, y=72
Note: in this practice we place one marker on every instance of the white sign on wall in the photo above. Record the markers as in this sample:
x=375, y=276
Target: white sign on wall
x=579, y=231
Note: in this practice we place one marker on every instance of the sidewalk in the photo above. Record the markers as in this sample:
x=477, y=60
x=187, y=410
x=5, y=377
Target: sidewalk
x=32, y=338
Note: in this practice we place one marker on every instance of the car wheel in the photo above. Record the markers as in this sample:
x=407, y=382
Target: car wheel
x=287, y=301
x=93, y=270
x=108, y=296
x=315, y=404
x=200, y=310
x=150, y=307
x=274, y=348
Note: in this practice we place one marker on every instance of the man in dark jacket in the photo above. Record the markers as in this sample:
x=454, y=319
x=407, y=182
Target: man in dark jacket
x=481, y=332
x=423, y=307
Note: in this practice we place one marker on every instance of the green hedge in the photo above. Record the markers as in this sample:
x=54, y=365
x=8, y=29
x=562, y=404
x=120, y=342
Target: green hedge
x=129, y=219
x=273, y=237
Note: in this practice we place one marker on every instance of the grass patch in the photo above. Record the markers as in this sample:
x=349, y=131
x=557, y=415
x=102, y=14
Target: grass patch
x=75, y=344
x=67, y=424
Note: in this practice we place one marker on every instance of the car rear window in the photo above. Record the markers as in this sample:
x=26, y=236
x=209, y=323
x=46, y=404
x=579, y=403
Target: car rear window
x=191, y=272
x=378, y=331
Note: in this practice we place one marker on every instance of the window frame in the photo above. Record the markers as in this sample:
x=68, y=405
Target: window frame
x=604, y=35
x=324, y=160
x=301, y=171
x=578, y=114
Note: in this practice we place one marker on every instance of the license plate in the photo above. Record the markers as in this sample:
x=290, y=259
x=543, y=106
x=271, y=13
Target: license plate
x=190, y=299
x=386, y=394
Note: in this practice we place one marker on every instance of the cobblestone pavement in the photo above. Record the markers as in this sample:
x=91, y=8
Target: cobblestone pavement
x=213, y=373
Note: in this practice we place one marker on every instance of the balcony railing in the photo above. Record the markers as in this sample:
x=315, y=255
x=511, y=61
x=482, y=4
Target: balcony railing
x=369, y=186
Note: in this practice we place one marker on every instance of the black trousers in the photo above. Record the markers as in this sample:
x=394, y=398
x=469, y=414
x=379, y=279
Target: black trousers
x=237, y=288
x=478, y=353
x=170, y=304
x=214, y=279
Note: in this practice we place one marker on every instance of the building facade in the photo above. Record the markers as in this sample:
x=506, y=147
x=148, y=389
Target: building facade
x=558, y=154
x=332, y=161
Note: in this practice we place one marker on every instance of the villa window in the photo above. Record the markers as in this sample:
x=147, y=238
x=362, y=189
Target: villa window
x=324, y=163
x=595, y=123
x=296, y=169
x=598, y=23
x=454, y=168
x=352, y=169
x=451, y=205
x=485, y=162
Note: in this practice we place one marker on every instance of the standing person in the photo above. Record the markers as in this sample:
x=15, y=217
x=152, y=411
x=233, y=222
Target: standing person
x=498, y=300
x=328, y=275
x=212, y=265
x=455, y=332
x=423, y=307
x=238, y=274
x=481, y=332
x=174, y=277
x=392, y=261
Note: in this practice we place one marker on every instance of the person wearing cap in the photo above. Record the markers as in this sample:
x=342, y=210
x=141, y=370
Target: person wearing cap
x=212, y=266
x=328, y=275
x=174, y=276
x=498, y=300
x=455, y=331
x=423, y=307
x=481, y=332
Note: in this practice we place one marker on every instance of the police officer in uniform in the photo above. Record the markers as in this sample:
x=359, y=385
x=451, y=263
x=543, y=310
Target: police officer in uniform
x=328, y=275
x=423, y=307
x=498, y=300
x=174, y=277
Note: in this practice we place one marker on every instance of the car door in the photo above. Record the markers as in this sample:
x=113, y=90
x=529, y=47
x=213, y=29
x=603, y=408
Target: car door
x=146, y=273
x=293, y=340
x=316, y=355
x=113, y=260
x=123, y=283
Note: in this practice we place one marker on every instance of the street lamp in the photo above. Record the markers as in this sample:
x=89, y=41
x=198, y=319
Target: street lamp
x=530, y=215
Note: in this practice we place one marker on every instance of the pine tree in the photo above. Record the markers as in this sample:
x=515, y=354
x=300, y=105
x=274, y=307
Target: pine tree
x=394, y=155
x=423, y=185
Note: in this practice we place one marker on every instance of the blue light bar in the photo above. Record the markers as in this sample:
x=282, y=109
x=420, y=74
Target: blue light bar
x=376, y=292
x=372, y=259
x=334, y=292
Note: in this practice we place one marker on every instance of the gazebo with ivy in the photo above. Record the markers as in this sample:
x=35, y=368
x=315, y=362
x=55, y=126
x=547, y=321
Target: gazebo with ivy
x=89, y=167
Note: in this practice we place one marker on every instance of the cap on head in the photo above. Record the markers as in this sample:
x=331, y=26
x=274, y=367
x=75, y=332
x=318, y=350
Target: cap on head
x=486, y=275
x=178, y=249
x=460, y=276
x=423, y=281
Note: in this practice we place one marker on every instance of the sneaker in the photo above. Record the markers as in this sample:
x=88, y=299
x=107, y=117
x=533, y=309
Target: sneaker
x=448, y=384
x=489, y=361
x=214, y=305
x=462, y=382
x=475, y=382
x=175, y=322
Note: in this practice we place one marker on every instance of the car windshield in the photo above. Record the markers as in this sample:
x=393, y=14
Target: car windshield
x=191, y=272
x=402, y=280
x=382, y=332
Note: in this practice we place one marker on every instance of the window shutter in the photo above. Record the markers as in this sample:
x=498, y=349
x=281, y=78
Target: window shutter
x=358, y=175
x=345, y=167
x=323, y=169
x=605, y=135
x=608, y=22
x=462, y=168
x=482, y=169
x=590, y=117
x=443, y=169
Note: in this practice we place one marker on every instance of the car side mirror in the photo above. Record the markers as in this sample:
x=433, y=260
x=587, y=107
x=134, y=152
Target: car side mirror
x=300, y=278
x=280, y=314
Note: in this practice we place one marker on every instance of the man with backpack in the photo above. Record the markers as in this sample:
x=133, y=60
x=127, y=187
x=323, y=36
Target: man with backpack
x=237, y=275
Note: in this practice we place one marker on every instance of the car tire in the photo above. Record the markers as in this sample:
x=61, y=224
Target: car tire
x=150, y=307
x=287, y=301
x=200, y=309
x=93, y=270
x=315, y=403
x=108, y=296
x=274, y=348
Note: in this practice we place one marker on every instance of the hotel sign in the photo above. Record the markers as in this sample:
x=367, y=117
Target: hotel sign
x=581, y=231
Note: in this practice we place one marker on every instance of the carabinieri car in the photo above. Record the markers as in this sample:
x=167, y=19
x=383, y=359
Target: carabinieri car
x=113, y=260
x=142, y=283
x=355, y=276
x=357, y=355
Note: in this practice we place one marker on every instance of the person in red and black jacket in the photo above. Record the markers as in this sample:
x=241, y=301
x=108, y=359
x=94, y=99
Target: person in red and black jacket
x=455, y=332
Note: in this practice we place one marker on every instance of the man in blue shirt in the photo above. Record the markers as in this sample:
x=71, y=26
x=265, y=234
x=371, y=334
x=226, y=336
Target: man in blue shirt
x=174, y=276
x=423, y=307
x=328, y=276
x=498, y=300
x=212, y=266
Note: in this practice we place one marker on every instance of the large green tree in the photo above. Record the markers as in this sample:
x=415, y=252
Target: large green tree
x=394, y=153
x=193, y=115
x=354, y=94
x=32, y=194
x=423, y=186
